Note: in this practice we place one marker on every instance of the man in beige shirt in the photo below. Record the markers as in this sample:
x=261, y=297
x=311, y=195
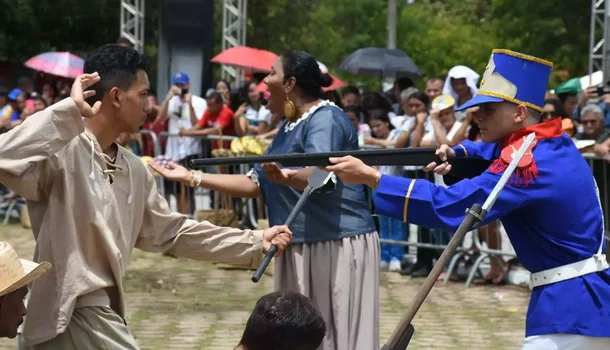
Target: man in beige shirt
x=91, y=202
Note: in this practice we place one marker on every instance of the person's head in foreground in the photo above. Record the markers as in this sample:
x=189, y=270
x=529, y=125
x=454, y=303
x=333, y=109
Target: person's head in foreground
x=511, y=96
x=16, y=275
x=122, y=89
x=295, y=79
x=283, y=321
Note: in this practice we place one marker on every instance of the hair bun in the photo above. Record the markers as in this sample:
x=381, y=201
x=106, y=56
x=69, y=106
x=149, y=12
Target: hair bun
x=325, y=80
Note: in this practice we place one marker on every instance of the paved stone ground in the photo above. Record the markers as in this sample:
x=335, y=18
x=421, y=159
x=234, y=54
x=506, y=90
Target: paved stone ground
x=178, y=304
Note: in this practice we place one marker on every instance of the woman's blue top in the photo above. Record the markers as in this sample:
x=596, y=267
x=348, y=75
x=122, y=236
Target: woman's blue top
x=342, y=212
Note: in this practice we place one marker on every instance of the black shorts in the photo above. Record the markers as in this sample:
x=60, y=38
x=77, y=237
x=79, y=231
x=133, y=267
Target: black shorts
x=175, y=188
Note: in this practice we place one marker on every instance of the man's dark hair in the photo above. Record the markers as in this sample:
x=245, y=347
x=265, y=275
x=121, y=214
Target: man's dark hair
x=214, y=96
x=350, y=89
x=117, y=66
x=284, y=321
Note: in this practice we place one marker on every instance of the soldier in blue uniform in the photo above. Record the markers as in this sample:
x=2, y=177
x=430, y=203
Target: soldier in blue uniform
x=550, y=208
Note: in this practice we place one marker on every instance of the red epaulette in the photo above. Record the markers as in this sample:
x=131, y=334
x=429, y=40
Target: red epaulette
x=526, y=170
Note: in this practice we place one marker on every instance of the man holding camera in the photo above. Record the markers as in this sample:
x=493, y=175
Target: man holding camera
x=183, y=109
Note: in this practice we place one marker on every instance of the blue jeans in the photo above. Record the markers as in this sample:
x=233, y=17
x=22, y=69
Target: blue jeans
x=394, y=229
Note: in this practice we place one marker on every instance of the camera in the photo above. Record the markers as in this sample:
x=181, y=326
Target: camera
x=603, y=89
x=184, y=92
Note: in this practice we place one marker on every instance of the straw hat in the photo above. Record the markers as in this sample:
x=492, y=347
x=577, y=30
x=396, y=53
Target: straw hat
x=443, y=102
x=16, y=273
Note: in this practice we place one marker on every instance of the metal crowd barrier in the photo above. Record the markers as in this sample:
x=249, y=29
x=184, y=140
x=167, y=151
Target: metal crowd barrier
x=476, y=247
x=198, y=199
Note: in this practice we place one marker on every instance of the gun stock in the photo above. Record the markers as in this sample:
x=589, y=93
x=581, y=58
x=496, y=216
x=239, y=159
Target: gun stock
x=461, y=167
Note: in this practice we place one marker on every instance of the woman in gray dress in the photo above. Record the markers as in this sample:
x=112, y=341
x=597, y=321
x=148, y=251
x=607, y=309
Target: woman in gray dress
x=334, y=255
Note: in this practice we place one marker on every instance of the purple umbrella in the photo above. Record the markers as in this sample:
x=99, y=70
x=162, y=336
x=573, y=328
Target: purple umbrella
x=62, y=64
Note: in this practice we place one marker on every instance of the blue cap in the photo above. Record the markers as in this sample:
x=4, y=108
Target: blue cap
x=513, y=77
x=14, y=94
x=180, y=78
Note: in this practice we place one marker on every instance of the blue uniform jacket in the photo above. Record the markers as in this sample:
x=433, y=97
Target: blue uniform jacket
x=555, y=220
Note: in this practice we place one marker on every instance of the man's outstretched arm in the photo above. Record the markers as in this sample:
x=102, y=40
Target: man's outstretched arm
x=166, y=231
x=421, y=202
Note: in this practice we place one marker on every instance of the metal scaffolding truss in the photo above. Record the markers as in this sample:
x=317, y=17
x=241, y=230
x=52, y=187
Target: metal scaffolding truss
x=234, y=16
x=132, y=22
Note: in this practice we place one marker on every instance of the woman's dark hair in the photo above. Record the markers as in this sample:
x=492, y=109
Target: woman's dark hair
x=350, y=89
x=560, y=110
x=374, y=100
x=304, y=68
x=352, y=109
x=422, y=97
x=564, y=97
x=284, y=321
x=259, y=76
x=39, y=98
x=226, y=83
x=403, y=83
x=333, y=96
x=382, y=116
x=53, y=86
x=244, y=92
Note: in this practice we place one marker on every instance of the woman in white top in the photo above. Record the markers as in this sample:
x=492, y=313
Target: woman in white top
x=254, y=118
x=461, y=84
x=385, y=135
x=416, y=107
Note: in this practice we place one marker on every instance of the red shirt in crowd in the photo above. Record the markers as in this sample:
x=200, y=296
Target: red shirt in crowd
x=224, y=118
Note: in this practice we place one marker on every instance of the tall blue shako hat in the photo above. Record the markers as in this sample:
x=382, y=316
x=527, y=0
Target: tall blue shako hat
x=513, y=77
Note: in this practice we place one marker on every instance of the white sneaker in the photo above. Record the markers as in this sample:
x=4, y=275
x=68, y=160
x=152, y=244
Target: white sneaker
x=395, y=265
x=384, y=266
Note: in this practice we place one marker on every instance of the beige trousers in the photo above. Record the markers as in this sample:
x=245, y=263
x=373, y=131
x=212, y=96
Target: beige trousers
x=91, y=328
x=342, y=279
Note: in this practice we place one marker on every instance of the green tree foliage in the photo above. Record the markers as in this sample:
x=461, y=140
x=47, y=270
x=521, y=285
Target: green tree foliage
x=437, y=34
x=32, y=27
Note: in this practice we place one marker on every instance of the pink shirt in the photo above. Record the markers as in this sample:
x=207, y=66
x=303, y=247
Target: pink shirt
x=29, y=104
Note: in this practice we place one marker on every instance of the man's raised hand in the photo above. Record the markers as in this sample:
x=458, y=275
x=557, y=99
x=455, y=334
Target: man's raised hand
x=79, y=95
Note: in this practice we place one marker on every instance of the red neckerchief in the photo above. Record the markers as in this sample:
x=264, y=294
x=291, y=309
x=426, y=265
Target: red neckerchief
x=526, y=170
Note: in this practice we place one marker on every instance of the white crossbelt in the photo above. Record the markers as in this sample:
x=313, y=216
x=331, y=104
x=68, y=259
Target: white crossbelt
x=596, y=263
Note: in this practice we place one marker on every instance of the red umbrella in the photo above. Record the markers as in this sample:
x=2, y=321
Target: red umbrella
x=62, y=64
x=246, y=57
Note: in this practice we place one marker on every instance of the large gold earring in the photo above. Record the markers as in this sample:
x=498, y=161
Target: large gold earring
x=289, y=108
